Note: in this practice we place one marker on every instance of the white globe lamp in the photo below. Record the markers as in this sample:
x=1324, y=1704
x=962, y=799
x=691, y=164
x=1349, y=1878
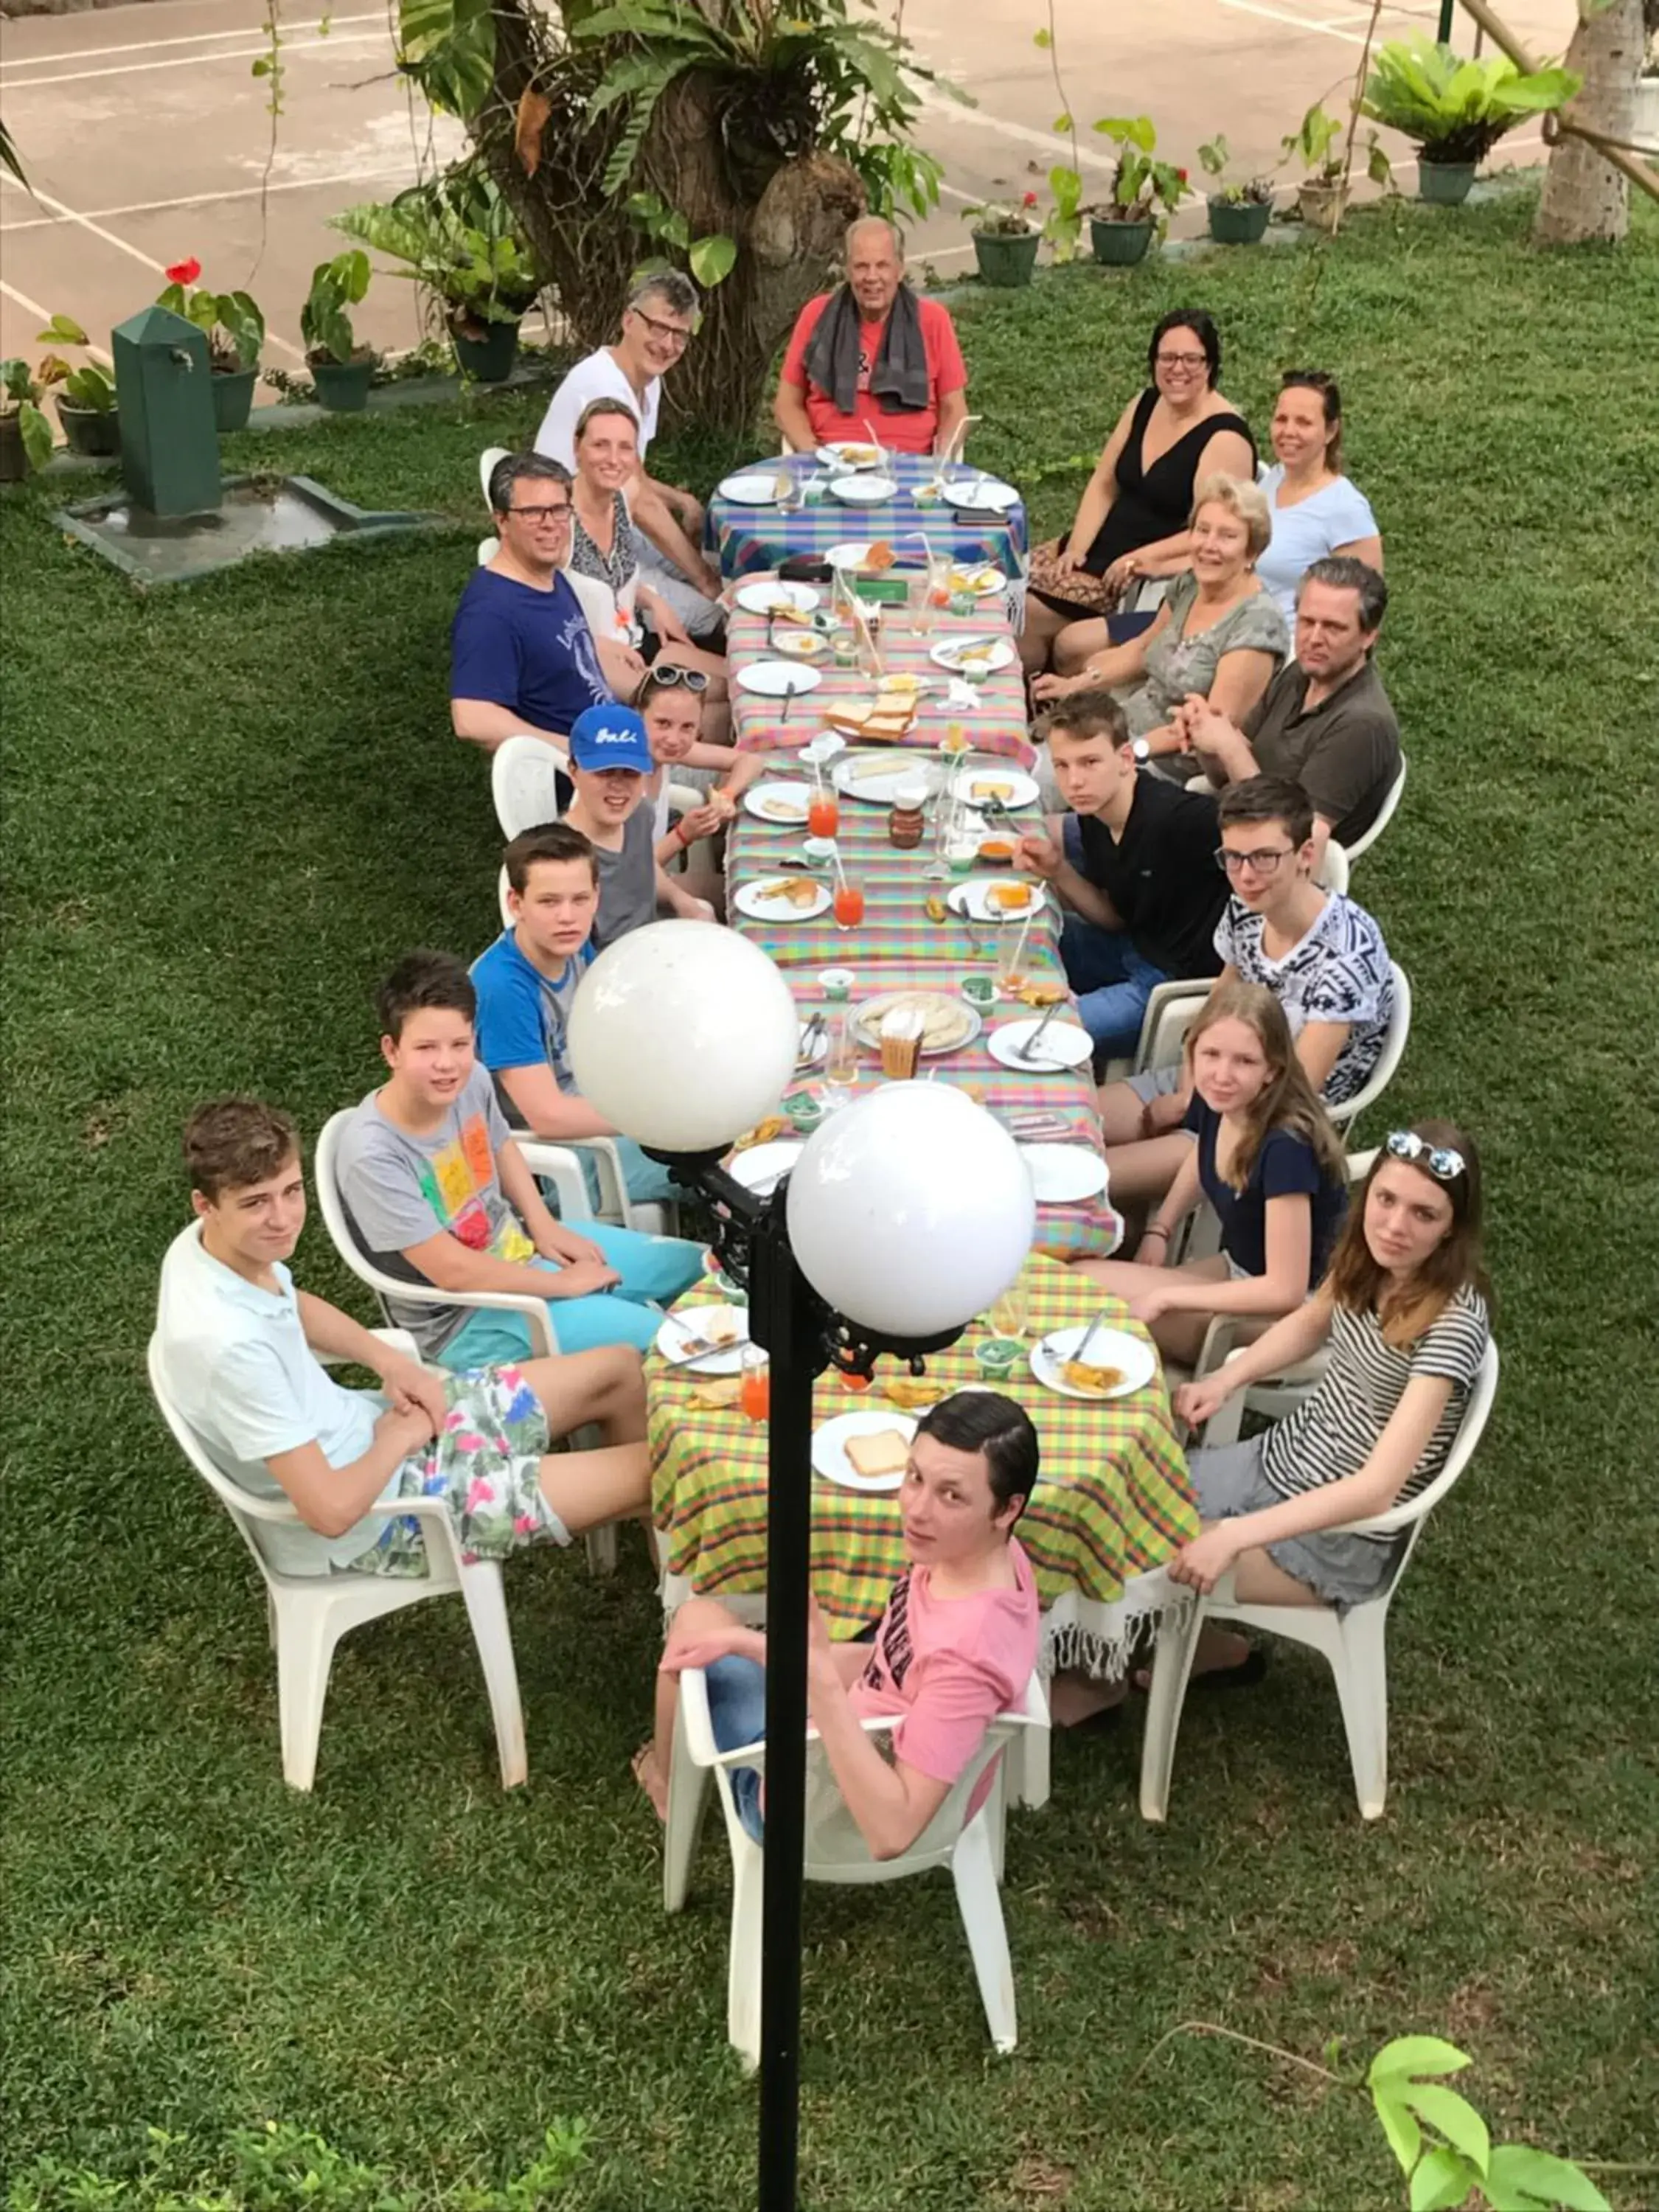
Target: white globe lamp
x=909, y=1211
x=683, y=1034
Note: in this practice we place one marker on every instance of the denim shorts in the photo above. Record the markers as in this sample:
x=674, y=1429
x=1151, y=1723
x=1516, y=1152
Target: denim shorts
x=737, y=1714
x=1339, y=1569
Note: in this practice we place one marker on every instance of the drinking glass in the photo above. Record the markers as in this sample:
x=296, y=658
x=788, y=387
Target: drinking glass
x=923, y=610
x=849, y=905
x=756, y=1395
x=1010, y=1314
x=822, y=814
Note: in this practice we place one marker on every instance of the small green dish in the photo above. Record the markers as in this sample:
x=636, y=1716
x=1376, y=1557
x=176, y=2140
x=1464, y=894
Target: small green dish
x=998, y=1355
x=981, y=993
x=804, y=1111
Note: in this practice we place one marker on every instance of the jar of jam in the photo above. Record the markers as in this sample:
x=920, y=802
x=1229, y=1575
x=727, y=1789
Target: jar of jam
x=906, y=821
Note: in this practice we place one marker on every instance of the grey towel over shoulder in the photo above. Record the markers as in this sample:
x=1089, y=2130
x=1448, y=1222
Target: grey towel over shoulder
x=899, y=373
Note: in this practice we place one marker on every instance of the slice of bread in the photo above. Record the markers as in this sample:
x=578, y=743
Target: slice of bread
x=886, y=1451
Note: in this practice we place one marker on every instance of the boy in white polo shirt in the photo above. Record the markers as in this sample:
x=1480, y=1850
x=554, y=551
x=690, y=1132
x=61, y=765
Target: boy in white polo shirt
x=240, y=1354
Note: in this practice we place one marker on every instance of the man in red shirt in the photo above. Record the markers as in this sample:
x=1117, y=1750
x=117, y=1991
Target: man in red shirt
x=872, y=349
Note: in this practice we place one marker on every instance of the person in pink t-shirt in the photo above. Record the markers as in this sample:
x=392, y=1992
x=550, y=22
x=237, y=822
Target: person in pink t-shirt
x=955, y=1646
x=872, y=349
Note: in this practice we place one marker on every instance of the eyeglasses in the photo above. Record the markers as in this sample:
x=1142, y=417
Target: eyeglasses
x=1442, y=1163
x=670, y=333
x=665, y=679
x=1182, y=360
x=561, y=513
x=1264, y=862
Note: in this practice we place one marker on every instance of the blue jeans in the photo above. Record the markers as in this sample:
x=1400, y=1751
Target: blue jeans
x=658, y=1268
x=737, y=1714
x=1112, y=981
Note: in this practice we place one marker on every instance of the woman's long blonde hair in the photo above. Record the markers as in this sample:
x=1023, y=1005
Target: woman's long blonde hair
x=1287, y=1100
x=1358, y=1283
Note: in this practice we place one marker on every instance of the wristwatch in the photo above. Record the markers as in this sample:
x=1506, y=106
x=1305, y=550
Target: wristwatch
x=1142, y=751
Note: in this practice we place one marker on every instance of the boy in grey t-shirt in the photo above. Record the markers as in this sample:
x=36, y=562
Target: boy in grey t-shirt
x=610, y=758
x=437, y=1191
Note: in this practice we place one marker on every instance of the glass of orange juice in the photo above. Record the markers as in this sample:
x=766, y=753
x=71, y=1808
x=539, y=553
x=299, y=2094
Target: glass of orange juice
x=849, y=905
x=756, y=1394
x=822, y=814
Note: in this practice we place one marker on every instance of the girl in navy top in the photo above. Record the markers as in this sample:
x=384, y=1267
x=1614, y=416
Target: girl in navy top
x=1266, y=1159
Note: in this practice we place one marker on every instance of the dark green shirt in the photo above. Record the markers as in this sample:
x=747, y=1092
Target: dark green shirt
x=1345, y=752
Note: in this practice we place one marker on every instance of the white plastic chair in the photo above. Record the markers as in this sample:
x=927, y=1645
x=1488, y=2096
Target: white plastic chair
x=837, y=1852
x=1354, y=1642
x=1332, y=873
x=309, y=1614
x=1385, y=814
x=1395, y=1038
x=523, y=782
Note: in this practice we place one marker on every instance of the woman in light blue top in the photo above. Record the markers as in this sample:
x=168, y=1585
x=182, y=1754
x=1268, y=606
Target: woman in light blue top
x=1316, y=509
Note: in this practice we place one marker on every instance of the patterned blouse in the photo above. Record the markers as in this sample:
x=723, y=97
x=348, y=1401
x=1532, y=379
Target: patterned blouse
x=1177, y=665
x=618, y=566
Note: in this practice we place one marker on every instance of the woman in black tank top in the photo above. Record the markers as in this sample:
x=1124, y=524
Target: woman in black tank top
x=1131, y=507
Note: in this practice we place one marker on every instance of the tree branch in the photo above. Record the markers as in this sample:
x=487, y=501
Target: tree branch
x=1645, y=179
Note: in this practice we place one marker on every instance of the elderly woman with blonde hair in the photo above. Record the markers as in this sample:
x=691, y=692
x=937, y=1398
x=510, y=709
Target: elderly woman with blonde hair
x=1218, y=635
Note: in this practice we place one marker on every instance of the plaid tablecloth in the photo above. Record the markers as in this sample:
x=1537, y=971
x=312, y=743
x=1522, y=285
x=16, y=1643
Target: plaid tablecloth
x=997, y=723
x=896, y=886
x=1113, y=1500
x=750, y=540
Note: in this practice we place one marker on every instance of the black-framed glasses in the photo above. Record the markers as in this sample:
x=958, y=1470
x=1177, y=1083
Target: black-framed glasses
x=1265, y=861
x=1441, y=1162
x=665, y=679
x=1182, y=360
x=560, y=510
x=670, y=333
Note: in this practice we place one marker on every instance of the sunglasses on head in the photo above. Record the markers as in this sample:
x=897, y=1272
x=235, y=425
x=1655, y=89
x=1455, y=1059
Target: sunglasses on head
x=665, y=679
x=1440, y=1161
x=1318, y=380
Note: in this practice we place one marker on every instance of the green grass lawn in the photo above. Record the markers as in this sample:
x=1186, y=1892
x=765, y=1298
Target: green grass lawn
x=228, y=808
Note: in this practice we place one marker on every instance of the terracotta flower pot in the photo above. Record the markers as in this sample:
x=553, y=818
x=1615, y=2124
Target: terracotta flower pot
x=1006, y=259
x=1119, y=245
x=1321, y=204
x=1445, y=182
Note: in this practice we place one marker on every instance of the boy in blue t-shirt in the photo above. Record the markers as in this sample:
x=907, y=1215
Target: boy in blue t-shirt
x=525, y=982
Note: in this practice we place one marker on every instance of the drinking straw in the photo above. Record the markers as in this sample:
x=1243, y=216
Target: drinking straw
x=881, y=450
x=840, y=873
x=1011, y=966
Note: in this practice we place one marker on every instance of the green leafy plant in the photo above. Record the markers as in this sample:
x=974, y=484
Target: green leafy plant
x=234, y=322
x=1003, y=218
x=1212, y=156
x=90, y=386
x=1456, y=111
x=711, y=259
x=20, y=396
x=1315, y=142
x=324, y=324
x=446, y=49
x=457, y=238
x=1143, y=187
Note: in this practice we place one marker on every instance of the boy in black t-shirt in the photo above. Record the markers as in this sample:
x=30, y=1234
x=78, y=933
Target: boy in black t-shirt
x=1135, y=866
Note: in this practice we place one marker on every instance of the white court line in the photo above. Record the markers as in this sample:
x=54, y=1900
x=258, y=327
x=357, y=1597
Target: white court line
x=196, y=60
x=121, y=245
x=1296, y=22
x=193, y=39
x=976, y=118
x=34, y=307
x=205, y=199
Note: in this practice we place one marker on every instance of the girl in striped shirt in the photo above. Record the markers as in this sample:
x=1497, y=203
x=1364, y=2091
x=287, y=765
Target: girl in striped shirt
x=1403, y=1312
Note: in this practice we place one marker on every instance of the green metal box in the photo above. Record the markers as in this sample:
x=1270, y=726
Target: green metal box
x=169, y=441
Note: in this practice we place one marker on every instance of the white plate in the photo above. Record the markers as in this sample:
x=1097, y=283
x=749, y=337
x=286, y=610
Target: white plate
x=849, y=555
x=829, y=1448
x=686, y=1323
x=751, y=489
x=1109, y=1348
x=1011, y=785
x=864, y=491
x=749, y=900
x=849, y=453
x=772, y=595
x=778, y=679
x=854, y=777
x=986, y=496
x=953, y=653
x=983, y=581
x=763, y=1167
x=866, y=1021
x=1064, y=1175
x=973, y=898
x=800, y=644
x=1064, y=1045
x=784, y=804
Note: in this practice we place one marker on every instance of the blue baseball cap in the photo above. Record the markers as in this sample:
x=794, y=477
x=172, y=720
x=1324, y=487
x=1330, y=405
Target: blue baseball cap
x=610, y=737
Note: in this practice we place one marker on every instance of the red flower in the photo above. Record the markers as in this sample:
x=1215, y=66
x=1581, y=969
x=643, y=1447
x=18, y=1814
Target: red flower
x=1181, y=173
x=1030, y=200
x=184, y=272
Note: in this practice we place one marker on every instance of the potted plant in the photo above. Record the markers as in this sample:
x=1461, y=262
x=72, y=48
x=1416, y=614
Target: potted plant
x=457, y=239
x=86, y=396
x=25, y=433
x=1239, y=213
x=1144, y=193
x=1006, y=240
x=235, y=332
x=1323, y=193
x=1454, y=111
x=340, y=367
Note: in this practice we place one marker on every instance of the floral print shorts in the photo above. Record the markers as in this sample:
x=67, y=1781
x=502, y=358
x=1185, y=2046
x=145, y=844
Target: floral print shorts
x=485, y=1464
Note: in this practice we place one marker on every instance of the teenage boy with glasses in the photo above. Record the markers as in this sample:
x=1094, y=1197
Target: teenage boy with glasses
x=522, y=657
x=658, y=324
x=1320, y=954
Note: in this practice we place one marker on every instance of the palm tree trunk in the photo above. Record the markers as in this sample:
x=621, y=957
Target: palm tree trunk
x=1585, y=200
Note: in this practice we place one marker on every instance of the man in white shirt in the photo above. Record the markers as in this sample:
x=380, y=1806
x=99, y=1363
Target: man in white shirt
x=658, y=324
x=239, y=1355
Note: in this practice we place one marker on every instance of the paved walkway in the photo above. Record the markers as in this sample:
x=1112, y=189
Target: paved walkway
x=146, y=137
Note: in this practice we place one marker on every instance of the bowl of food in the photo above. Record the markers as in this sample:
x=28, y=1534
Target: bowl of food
x=997, y=849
